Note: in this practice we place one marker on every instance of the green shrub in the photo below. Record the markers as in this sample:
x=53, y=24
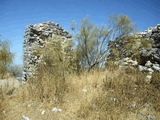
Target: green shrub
x=15, y=70
x=6, y=57
x=57, y=57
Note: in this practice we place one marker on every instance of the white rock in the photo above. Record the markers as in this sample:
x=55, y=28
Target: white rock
x=114, y=99
x=149, y=32
x=4, y=112
x=126, y=59
x=84, y=90
x=116, y=62
x=134, y=63
x=55, y=99
x=148, y=78
x=130, y=61
x=156, y=67
x=149, y=117
x=142, y=68
x=29, y=105
x=59, y=110
x=134, y=105
x=125, y=63
x=43, y=111
x=148, y=64
x=25, y=118
x=97, y=85
x=158, y=26
x=150, y=70
x=120, y=66
x=54, y=110
x=41, y=25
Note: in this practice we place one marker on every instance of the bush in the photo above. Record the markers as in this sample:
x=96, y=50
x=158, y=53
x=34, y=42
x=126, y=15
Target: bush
x=6, y=57
x=57, y=57
x=92, y=40
x=15, y=70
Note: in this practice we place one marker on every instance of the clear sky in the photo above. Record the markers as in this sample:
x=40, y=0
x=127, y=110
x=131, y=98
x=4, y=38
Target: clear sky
x=15, y=15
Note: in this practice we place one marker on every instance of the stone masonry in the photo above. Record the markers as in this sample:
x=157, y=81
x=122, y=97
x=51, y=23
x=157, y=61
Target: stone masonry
x=149, y=53
x=34, y=36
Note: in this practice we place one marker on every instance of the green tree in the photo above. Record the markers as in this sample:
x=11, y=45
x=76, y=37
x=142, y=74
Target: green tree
x=57, y=57
x=92, y=40
x=91, y=44
x=121, y=26
x=6, y=57
x=136, y=44
x=15, y=70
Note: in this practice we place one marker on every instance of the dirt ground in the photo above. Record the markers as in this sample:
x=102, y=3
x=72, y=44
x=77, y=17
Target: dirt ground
x=9, y=82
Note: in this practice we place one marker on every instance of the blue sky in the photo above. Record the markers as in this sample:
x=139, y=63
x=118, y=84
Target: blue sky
x=15, y=15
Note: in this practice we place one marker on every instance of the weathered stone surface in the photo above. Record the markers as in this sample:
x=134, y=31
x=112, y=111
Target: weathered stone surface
x=149, y=56
x=148, y=64
x=34, y=36
x=156, y=67
x=126, y=62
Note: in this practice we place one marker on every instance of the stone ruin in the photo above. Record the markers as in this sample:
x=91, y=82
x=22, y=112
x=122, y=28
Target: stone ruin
x=150, y=55
x=34, y=36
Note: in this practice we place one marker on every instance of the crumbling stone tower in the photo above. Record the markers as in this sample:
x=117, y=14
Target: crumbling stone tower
x=34, y=36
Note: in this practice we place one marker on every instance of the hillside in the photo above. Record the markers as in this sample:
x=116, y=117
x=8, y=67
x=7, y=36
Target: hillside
x=112, y=94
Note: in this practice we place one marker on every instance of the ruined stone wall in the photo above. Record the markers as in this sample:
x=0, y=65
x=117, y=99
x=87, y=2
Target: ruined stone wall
x=34, y=36
x=145, y=56
x=150, y=52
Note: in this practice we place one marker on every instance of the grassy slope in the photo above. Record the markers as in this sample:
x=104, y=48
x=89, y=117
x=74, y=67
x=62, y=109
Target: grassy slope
x=110, y=95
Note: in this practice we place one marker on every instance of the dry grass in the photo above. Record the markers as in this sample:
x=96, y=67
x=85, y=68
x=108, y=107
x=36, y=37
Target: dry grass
x=97, y=95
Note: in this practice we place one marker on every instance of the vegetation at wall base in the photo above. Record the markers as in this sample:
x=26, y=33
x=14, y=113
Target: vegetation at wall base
x=108, y=94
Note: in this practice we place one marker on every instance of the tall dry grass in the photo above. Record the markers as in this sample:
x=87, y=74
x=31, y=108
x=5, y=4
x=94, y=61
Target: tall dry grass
x=111, y=94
